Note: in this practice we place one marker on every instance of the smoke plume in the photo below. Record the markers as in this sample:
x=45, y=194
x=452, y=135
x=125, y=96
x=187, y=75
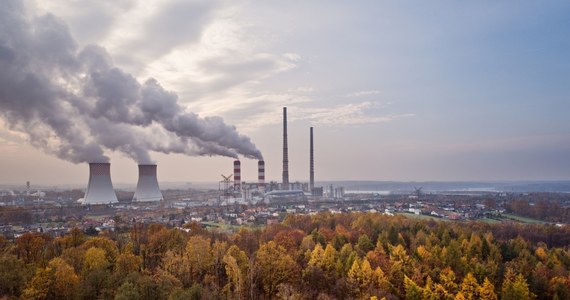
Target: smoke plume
x=74, y=103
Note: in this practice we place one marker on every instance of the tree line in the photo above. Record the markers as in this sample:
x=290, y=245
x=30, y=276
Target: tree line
x=543, y=207
x=323, y=256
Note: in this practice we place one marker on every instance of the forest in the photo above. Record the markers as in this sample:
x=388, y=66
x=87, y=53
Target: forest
x=322, y=256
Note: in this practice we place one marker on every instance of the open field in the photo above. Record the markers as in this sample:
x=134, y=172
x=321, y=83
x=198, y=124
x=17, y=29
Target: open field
x=421, y=217
x=499, y=219
x=229, y=227
x=523, y=219
x=490, y=221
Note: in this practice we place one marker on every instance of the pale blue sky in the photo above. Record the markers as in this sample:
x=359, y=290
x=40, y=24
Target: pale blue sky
x=400, y=90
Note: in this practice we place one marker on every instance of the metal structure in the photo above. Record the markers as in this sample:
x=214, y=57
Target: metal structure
x=226, y=184
x=418, y=191
x=100, y=188
x=285, y=185
x=147, y=186
x=226, y=192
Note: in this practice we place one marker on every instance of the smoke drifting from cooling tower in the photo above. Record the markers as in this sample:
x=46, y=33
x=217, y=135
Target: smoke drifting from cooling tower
x=74, y=103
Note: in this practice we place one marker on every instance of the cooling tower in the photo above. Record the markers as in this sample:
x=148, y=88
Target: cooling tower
x=237, y=175
x=285, y=152
x=261, y=174
x=100, y=188
x=147, y=186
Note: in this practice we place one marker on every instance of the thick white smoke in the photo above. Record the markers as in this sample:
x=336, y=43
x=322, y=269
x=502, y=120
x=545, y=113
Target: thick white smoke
x=74, y=103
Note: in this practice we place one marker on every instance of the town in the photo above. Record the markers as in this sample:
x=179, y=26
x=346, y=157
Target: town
x=57, y=212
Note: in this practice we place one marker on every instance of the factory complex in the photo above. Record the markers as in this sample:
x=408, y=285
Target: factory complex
x=100, y=189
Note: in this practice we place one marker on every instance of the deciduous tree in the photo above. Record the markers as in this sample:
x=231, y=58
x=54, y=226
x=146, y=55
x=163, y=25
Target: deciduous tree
x=275, y=267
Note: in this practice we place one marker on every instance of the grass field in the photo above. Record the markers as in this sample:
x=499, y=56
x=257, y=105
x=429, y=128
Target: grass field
x=228, y=227
x=503, y=218
x=490, y=221
x=523, y=219
x=421, y=217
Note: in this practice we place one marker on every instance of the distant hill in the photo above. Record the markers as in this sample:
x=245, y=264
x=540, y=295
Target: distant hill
x=443, y=186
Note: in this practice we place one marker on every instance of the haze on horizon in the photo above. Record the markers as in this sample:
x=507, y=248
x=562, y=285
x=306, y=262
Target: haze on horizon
x=396, y=91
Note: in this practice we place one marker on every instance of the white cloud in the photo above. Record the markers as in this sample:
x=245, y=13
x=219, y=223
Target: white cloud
x=362, y=93
x=292, y=56
x=353, y=114
x=81, y=15
x=348, y=115
x=302, y=89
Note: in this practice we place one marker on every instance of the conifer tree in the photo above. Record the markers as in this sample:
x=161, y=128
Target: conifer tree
x=412, y=290
x=487, y=290
x=469, y=287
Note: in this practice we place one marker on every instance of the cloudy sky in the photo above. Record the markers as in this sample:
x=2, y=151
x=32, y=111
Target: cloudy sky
x=396, y=90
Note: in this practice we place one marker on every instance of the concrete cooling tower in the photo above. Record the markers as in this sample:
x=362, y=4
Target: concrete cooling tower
x=100, y=188
x=147, y=186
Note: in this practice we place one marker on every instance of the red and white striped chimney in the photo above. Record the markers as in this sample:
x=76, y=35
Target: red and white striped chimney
x=261, y=173
x=237, y=174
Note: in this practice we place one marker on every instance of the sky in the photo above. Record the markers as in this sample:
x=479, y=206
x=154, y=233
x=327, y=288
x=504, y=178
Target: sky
x=395, y=90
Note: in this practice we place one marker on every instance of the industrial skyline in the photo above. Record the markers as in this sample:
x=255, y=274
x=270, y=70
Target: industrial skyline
x=413, y=91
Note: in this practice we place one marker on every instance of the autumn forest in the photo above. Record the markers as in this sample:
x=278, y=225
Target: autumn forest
x=324, y=256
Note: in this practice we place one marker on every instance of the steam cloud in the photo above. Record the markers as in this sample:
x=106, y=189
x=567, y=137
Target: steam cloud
x=74, y=103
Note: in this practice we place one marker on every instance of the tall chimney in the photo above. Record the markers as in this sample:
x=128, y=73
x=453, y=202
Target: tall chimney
x=261, y=174
x=285, y=152
x=147, y=186
x=311, y=164
x=100, y=188
x=237, y=175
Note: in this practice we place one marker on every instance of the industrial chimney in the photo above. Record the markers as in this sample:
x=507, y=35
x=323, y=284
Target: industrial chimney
x=100, y=188
x=311, y=164
x=237, y=175
x=261, y=174
x=285, y=152
x=147, y=186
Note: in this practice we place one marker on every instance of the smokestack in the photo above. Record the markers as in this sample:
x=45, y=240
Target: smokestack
x=261, y=174
x=311, y=164
x=237, y=174
x=100, y=188
x=147, y=186
x=285, y=152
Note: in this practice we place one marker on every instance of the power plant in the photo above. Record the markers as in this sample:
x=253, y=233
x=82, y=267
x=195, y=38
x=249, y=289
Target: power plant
x=296, y=192
x=100, y=188
x=147, y=186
